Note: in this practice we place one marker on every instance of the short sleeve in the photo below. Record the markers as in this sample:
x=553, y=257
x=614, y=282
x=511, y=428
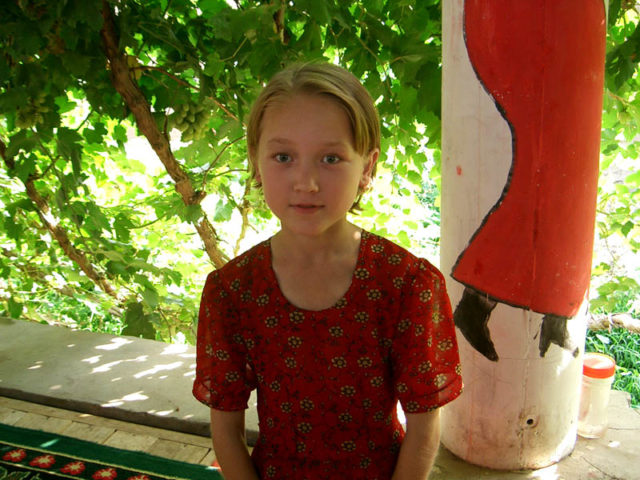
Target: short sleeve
x=222, y=380
x=425, y=359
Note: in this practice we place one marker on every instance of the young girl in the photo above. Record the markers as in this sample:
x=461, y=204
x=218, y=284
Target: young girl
x=333, y=325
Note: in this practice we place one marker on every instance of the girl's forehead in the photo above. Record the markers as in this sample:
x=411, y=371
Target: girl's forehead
x=304, y=112
x=309, y=103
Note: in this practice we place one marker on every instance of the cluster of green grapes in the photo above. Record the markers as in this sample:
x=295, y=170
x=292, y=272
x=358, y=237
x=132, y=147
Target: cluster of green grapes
x=33, y=112
x=191, y=120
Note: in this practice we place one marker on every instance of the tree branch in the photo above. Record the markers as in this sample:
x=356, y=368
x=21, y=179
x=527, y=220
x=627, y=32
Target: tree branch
x=244, y=213
x=29, y=269
x=607, y=322
x=137, y=103
x=279, y=26
x=59, y=233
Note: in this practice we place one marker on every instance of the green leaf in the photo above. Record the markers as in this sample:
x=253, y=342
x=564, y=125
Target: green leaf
x=113, y=255
x=120, y=134
x=95, y=134
x=15, y=308
x=151, y=297
x=76, y=63
x=96, y=218
x=142, y=265
x=25, y=167
x=24, y=204
x=64, y=104
x=223, y=211
x=633, y=179
x=137, y=324
x=212, y=7
x=191, y=213
x=122, y=226
x=13, y=229
x=311, y=37
x=117, y=268
x=21, y=141
x=319, y=11
x=405, y=241
x=626, y=228
x=213, y=66
x=414, y=177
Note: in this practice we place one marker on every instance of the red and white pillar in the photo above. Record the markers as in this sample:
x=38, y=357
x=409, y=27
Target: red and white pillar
x=522, y=102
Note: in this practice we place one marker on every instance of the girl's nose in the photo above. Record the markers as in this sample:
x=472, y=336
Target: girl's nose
x=306, y=179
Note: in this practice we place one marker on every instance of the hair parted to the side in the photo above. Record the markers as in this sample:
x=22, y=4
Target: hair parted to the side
x=321, y=79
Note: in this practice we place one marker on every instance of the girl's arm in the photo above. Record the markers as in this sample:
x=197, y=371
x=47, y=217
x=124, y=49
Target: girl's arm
x=229, y=445
x=419, y=447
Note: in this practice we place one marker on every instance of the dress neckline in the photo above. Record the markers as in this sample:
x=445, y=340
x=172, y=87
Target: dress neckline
x=364, y=236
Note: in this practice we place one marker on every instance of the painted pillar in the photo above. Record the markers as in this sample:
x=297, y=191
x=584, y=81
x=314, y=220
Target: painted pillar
x=522, y=101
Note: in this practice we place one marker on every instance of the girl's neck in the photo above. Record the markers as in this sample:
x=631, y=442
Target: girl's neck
x=341, y=240
x=313, y=273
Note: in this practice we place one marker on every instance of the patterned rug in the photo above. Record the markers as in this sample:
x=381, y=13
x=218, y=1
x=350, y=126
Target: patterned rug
x=35, y=455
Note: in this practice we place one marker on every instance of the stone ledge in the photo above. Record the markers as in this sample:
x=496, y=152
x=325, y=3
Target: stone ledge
x=125, y=378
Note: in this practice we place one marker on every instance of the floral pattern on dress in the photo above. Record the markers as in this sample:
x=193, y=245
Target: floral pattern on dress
x=328, y=381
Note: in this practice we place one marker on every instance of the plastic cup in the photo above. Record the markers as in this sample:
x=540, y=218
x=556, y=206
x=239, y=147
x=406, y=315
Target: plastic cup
x=597, y=376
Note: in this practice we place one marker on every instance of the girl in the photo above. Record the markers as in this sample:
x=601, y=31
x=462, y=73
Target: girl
x=332, y=324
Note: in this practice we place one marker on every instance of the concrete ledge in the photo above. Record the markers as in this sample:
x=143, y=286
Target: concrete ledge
x=129, y=379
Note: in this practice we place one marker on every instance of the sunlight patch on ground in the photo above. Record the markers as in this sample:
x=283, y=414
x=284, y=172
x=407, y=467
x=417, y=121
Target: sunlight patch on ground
x=163, y=413
x=158, y=368
x=115, y=344
x=178, y=349
x=548, y=473
x=131, y=397
x=92, y=360
x=106, y=367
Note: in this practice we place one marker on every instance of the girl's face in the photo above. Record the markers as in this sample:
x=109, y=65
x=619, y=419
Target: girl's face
x=307, y=165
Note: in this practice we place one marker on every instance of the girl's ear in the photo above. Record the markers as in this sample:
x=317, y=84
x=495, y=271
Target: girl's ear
x=371, y=160
x=254, y=168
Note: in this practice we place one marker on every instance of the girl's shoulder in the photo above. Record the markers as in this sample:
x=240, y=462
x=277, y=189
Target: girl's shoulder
x=392, y=258
x=251, y=264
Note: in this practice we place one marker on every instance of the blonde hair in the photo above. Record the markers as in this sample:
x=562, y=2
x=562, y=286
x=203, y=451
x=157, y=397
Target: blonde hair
x=321, y=79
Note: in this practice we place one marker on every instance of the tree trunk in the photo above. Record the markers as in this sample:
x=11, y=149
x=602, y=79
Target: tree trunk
x=137, y=103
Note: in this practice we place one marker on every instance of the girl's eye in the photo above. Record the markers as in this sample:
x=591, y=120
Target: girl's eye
x=282, y=158
x=331, y=159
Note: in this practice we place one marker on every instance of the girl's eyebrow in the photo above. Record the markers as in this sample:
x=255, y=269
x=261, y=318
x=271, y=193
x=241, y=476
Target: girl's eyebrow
x=286, y=141
x=279, y=141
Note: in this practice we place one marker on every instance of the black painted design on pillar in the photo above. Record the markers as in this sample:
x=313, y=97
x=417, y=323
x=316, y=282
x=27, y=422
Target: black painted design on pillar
x=471, y=317
x=554, y=330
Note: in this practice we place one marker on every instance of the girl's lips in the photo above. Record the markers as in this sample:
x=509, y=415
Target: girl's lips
x=306, y=208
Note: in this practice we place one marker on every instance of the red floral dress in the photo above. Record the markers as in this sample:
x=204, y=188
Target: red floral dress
x=328, y=381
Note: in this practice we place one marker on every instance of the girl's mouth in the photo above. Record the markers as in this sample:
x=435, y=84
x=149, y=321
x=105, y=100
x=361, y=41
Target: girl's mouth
x=306, y=207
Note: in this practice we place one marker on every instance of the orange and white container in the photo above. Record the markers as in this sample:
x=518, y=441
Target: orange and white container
x=597, y=376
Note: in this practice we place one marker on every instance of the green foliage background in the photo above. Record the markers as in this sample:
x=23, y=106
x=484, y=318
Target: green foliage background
x=123, y=170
